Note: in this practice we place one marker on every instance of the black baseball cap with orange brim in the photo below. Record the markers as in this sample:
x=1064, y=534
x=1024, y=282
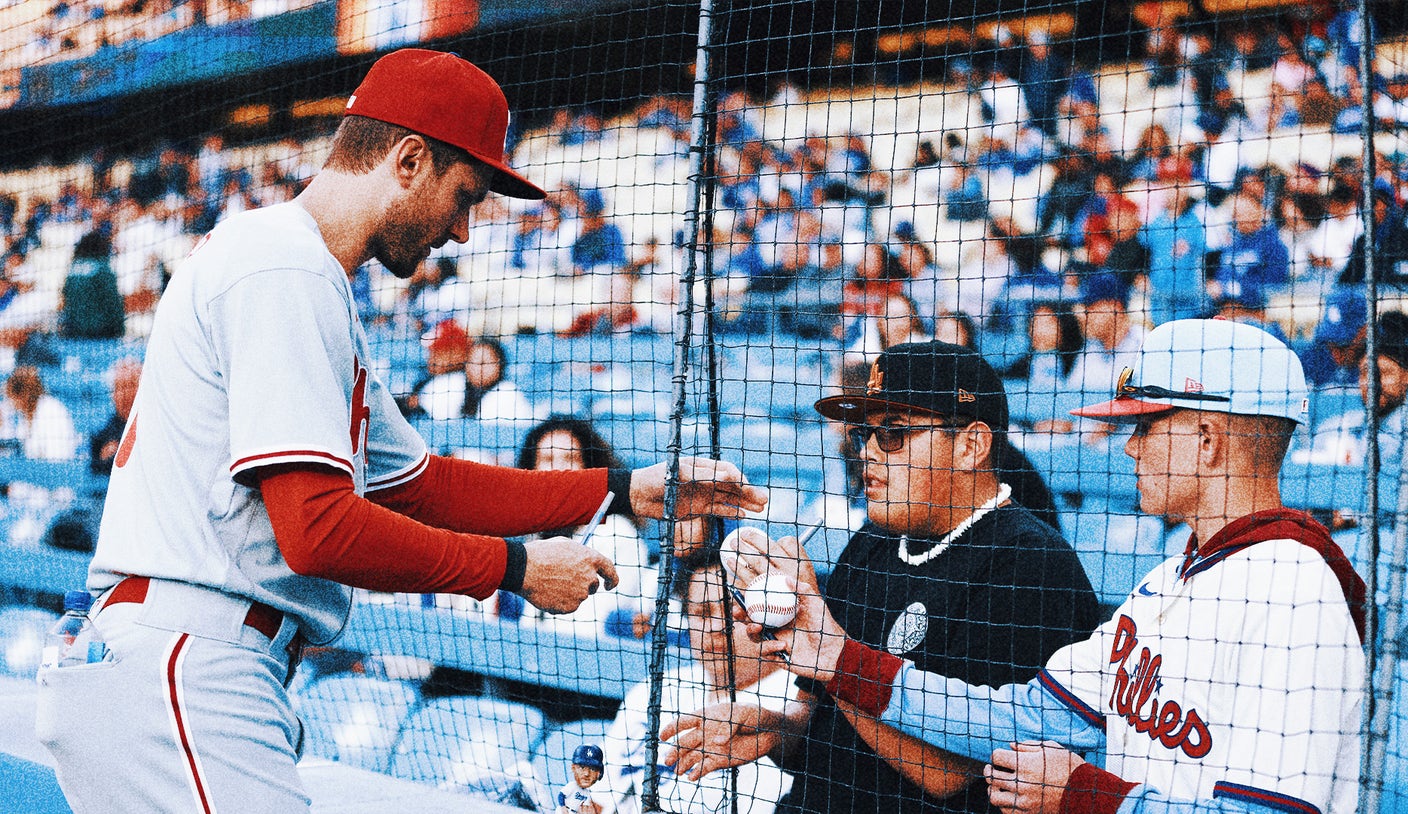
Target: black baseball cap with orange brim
x=933, y=378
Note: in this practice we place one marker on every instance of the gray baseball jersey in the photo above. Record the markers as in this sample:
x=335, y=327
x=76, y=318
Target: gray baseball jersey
x=257, y=357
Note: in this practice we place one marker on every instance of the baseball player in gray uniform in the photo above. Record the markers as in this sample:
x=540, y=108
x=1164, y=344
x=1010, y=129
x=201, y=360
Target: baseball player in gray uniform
x=264, y=471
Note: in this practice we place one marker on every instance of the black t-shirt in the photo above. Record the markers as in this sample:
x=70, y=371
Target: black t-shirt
x=988, y=610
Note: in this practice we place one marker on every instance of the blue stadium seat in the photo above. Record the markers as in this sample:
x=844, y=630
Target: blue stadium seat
x=1118, y=549
x=354, y=719
x=498, y=438
x=553, y=757
x=1334, y=401
x=22, y=632
x=450, y=741
x=1396, y=765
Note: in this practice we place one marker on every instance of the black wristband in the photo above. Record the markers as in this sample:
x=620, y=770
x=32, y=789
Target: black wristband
x=618, y=482
x=515, y=567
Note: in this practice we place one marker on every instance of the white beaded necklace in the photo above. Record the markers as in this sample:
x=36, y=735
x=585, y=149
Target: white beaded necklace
x=1003, y=493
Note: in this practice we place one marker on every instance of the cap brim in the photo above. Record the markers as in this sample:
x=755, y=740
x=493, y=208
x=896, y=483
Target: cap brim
x=1121, y=411
x=507, y=182
x=853, y=409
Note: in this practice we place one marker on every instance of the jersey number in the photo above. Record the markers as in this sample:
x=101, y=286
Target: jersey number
x=361, y=413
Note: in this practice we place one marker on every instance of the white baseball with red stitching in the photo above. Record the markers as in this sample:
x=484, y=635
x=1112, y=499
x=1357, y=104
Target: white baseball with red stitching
x=729, y=549
x=771, y=600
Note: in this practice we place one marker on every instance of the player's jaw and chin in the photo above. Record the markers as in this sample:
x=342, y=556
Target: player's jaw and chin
x=426, y=217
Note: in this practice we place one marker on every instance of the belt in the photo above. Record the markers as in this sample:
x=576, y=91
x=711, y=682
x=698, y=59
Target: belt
x=261, y=617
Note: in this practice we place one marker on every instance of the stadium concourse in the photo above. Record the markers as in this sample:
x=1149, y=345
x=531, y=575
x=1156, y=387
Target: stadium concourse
x=1044, y=212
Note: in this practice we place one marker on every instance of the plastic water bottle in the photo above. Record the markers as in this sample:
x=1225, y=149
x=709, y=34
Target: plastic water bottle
x=73, y=639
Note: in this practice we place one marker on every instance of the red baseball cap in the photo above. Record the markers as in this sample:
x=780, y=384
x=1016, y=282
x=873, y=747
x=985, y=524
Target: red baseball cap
x=442, y=96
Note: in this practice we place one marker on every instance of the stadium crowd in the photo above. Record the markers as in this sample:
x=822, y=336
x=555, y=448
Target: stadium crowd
x=1048, y=214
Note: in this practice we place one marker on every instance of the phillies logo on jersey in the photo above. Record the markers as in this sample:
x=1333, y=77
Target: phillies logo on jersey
x=361, y=414
x=1168, y=724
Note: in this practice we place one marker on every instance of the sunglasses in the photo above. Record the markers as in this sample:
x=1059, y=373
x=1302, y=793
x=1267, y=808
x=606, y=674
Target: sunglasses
x=1123, y=389
x=891, y=437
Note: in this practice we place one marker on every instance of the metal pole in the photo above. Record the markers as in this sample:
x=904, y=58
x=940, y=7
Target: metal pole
x=1379, y=664
x=697, y=244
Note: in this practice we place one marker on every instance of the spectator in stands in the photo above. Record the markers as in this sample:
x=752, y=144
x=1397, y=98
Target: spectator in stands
x=1332, y=241
x=91, y=306
x=963, y=197
x=539, y=248
x=1390, y=244
x=897, y=324
x=1127, y=258
x=566, y=443
x=38, y=422
x=1042, y=75
x=24, y=309
x=720, y=655
x=1299, y=212
x=1154, y=147
x=1055, y=341
x=1096, y=218
x=784, y=236
x=479, y=389
x=1343, y=439
x=1058, y=206
x=955, y=328
x=1177, y=245
x=600, y=246
x=435, y=293
x=1256, y=253
x=102, y=447
x=933, y=423
x=878, y=276
x=1112, y=341
x=1241, y=301
x=1332, y=359
x=446, y=349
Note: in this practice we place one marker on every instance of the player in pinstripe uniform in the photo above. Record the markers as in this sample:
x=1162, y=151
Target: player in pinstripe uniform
x=264, y=470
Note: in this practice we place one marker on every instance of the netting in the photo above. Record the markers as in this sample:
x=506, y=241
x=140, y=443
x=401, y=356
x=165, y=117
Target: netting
x=754, y=206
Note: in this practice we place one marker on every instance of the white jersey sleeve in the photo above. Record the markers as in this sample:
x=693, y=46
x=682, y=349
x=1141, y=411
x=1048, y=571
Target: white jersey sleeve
x=293, y=376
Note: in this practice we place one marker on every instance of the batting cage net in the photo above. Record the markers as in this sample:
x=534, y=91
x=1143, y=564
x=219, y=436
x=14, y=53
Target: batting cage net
x=1182, y=219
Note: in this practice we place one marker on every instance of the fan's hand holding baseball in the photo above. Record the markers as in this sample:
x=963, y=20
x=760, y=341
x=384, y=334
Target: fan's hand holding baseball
x=561, y=574
x=706, y=487
x=1030, y=777
x=720, y=736
x=813, y=640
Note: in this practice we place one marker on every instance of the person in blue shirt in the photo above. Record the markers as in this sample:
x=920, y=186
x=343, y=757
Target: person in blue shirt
x=600, y=242
x=1256, y=254
x=1332, y=359
x=1177, y=243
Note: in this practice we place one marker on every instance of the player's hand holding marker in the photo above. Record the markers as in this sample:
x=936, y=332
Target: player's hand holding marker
x=567, y=571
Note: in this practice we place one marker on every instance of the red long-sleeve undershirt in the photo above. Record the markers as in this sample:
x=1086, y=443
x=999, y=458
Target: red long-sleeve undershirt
x=441, y=532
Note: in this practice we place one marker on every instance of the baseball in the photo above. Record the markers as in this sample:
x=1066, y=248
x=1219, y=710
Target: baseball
x=771, y=600
x=750, y=537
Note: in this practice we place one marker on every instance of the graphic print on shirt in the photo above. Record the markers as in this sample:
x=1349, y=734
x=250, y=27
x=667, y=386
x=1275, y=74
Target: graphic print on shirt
x=909, y=630
x=1169, y=724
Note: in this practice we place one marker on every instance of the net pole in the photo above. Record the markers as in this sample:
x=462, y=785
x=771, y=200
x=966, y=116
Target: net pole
x=1379, y=664
x=713, y=377
x=697, y=245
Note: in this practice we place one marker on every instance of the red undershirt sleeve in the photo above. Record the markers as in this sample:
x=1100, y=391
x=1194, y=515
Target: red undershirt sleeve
x=325, y=530
x=473, y=497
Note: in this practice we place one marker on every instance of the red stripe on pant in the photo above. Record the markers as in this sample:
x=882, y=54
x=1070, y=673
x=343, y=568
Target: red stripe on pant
x=173, y=663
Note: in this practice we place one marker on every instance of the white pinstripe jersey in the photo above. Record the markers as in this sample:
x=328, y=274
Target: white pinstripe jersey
x=257, y=357
x=1242, y=678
